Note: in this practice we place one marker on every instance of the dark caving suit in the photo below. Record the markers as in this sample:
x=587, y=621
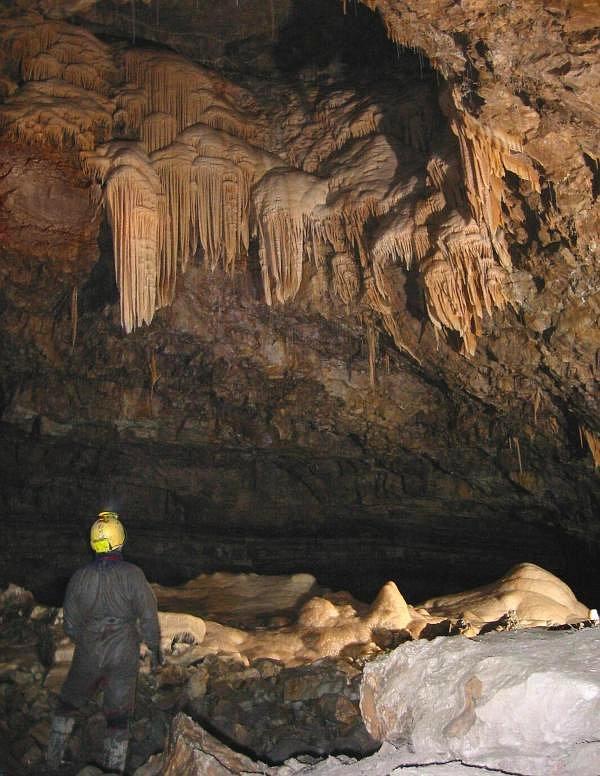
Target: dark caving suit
x=109, y=608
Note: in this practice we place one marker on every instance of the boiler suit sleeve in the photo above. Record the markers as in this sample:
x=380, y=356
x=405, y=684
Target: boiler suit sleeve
x=73, y=615
x=147, y=615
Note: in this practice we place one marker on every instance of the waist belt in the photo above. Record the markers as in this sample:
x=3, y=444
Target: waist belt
x=108, y=624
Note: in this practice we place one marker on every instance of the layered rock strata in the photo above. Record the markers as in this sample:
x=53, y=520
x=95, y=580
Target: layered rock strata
x=391, y=238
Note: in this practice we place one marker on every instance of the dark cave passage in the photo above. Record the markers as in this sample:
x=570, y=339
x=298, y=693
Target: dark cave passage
x=190, y=512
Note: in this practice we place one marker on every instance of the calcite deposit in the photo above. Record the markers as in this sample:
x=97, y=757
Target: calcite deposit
x=301, y=288
x=525, y=703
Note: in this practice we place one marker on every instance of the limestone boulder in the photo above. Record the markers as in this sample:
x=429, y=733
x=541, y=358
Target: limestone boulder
x=521, y=702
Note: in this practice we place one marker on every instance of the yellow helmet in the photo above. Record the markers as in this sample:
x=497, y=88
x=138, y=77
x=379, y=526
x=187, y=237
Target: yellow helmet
x=107, y=533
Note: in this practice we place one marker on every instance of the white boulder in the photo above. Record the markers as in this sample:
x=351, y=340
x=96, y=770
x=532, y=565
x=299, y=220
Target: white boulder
x=525, y=702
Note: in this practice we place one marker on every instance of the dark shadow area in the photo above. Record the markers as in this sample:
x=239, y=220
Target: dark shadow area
x=319, y=34
x=253, y=271
x=361, y=567
x=100, y=288
x=415, y=295
x=594, y=167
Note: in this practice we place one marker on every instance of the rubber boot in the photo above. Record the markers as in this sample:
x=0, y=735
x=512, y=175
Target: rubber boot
x=115, y=753
x=60, y=731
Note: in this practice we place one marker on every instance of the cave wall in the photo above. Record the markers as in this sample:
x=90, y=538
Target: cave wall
x=236, y=435
x=242, y=459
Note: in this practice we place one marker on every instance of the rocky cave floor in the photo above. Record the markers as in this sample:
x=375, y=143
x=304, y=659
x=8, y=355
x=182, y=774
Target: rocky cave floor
x=269, y=709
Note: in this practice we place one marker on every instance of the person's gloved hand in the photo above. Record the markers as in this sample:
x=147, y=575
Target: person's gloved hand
x=157, y=658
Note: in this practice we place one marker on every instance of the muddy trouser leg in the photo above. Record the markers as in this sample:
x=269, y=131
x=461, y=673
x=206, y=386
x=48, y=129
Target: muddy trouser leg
x=116, y=744
x=80, y=683
x=119, y=702
x=60, y=730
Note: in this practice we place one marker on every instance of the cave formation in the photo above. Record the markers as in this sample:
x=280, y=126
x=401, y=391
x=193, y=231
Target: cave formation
x=301, y=287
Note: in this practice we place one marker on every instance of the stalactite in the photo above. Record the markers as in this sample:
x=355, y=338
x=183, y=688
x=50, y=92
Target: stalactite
x=157, y=131
x=28, y=36
x=537, y=400
x=176, y=231
x=154, y=374
x=221, y=209
x=518, y=449
x=346, y=117
x=68, y=74
x=74, y=317
x=374, y=201
x=132, y=195
x=132, y=102
x=344, y=277
x=223, y=172
x=377, y=299
x=177, y=87
x=60, y=113
x=234, y=122
x=168, y=81
x=372, y=341
x=51, y=49
x=593, y=442
x=486, y=155
x=364, y=183
x=428, y=206
x=283, y=203
x=132, y=3
x=41, y=67
x=98, y=163
x=401, y=239
x=443, y=174
x=206, y=141
x=462, y=281
x=205, y=178
x=407, y=117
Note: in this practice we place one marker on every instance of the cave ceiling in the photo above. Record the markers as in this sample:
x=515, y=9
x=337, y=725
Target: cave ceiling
x=319, y=274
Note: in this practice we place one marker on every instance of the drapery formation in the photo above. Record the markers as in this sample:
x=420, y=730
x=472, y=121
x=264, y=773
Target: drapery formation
x=284, y=202
x=68, y=76
x=356, y=185
x=487, y=153
x=132, y=195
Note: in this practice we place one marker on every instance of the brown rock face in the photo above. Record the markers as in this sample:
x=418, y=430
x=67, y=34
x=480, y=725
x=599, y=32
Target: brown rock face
x=361, y=286
x=45, y=202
